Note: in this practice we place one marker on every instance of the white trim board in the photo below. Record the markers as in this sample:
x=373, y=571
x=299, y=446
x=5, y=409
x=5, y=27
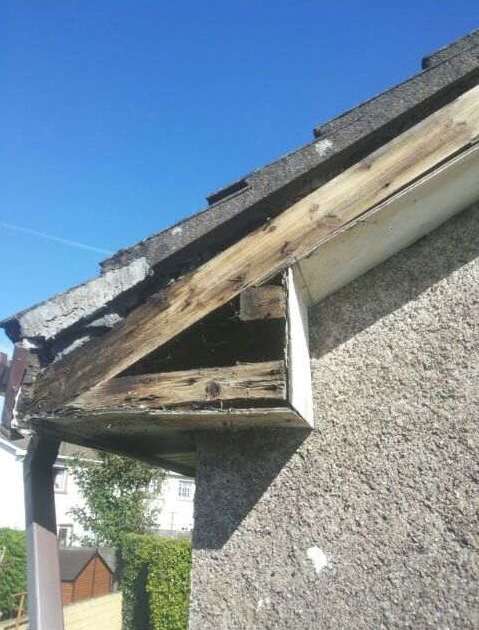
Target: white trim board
x=392, y=226
x=300, y=393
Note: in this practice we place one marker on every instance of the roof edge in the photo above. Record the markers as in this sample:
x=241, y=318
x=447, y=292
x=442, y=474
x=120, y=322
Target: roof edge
x=262, y=195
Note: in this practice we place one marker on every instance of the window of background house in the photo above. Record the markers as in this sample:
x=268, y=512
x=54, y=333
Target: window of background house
x=185, y=490
x=60, y=480
x=65, y=533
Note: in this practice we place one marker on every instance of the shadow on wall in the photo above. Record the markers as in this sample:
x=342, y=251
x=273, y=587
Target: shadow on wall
x=392, y=284
x=225, y=494
x=235, y=469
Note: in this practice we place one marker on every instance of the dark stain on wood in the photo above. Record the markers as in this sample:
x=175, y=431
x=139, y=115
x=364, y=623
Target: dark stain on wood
x=213, y=390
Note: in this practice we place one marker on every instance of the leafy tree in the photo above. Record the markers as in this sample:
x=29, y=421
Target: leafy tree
x=13, y=574
x=118, y=493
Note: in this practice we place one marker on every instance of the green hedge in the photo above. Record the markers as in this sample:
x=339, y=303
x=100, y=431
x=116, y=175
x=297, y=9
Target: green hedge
x=13, y=569
x=155, y=582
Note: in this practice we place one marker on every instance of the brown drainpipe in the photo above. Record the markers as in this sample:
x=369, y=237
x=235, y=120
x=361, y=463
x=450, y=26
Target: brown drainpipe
x=43, y=568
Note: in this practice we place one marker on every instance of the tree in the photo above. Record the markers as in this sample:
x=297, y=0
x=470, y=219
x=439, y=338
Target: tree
x=13, y=574
x=118, y=493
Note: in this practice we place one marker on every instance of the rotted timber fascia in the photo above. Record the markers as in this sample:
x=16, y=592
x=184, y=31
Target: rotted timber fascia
x=288, y=238
x=265, y=302
x=244, y=383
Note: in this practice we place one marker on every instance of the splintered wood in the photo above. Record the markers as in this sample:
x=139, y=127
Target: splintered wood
x=243, y=383
x=279, y=243
x=266, y=302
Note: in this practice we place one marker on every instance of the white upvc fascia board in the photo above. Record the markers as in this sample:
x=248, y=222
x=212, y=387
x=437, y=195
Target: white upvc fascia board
x=392, y=226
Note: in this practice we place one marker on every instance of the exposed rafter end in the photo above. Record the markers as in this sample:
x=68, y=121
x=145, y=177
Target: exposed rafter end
x=291, y=236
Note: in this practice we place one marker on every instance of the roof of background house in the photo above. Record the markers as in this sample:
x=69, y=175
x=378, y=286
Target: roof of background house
x=109, y=556
x=74, y=559
x=132, y=273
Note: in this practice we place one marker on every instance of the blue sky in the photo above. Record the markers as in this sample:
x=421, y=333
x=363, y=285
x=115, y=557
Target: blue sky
x=118, y=117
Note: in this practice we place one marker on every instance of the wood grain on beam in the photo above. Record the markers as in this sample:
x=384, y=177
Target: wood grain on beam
x=392, y=226
x=266, y=302
x=18, y=373
x=279, y=243
x=247, y=382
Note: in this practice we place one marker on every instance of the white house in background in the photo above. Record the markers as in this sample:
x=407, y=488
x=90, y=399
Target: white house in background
x=12, y=513
x=175, y=502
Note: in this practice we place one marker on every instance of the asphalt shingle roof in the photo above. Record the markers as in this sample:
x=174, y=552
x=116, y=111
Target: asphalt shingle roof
x=74, y=559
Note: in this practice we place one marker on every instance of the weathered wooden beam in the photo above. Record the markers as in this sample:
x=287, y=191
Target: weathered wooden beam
x=247, y=382
x=14, y=378
x=392, y=226
x=289, y=237
x=121, y=424
x=266, y=302
x=159, y=438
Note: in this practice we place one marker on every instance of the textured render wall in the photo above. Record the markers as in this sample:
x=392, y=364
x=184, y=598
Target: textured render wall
x=371, y=521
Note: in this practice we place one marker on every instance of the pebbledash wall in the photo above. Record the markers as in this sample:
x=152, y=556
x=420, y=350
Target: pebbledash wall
x=370, y=521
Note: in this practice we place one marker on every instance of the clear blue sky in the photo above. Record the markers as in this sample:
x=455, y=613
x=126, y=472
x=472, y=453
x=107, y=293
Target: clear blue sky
x=118, y=117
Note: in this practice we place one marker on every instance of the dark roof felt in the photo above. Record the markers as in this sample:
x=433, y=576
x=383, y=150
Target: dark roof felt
x=74, y=559
x=245, y=204
x=359, y=131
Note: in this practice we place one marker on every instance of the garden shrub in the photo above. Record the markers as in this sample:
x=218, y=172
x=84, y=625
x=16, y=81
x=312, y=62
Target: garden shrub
x=13, y=569
x=156, y=582
x=168, y=585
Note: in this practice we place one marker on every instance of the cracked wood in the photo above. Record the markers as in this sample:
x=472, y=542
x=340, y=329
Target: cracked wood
x=289, y=237
x=267, y=302
x=247, y=382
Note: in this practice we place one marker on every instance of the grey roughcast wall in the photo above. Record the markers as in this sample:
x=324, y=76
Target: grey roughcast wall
x=371, y=520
